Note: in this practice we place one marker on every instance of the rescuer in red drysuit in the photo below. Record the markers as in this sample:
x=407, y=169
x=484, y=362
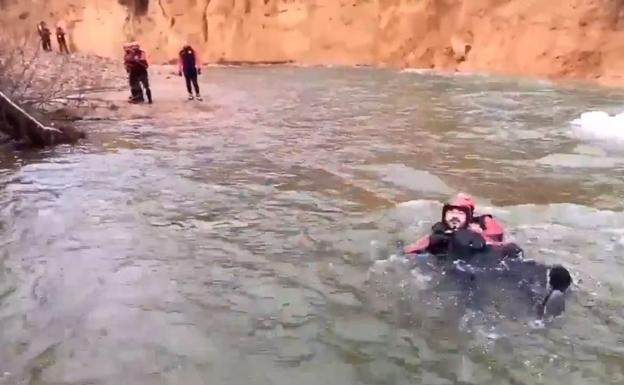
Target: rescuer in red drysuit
x=136, y=63
x=458, y=214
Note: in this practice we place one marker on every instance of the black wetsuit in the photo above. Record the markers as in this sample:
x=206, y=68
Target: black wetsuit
x=483, y=272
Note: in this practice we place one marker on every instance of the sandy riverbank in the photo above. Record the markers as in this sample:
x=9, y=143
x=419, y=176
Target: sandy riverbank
x=169, y=93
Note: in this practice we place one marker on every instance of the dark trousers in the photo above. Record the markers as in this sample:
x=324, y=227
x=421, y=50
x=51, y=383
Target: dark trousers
x=190, y=76
x=137, y=79
x=46, y=43
x=135, y=88
x=62, y=45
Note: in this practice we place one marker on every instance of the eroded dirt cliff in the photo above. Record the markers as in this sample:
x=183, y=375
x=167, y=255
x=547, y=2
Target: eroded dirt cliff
x=556, y=38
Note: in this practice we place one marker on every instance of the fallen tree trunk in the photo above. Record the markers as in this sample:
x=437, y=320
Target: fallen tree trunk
x=22, y=126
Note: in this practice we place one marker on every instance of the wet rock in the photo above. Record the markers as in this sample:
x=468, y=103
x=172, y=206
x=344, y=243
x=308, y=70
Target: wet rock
x=362, y=329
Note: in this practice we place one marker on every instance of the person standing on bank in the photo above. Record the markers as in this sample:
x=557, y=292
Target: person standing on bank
x=135, y=88
x=138, y=66
x=44, y=34
x=190, y=65
x=40, y=30
x=60, y=38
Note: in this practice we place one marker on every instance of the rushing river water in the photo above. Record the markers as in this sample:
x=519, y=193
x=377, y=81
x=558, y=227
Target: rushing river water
x=235, y=245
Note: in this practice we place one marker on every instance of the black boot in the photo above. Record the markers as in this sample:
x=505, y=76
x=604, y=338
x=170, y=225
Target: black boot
x=148, y=92
x=137, y=96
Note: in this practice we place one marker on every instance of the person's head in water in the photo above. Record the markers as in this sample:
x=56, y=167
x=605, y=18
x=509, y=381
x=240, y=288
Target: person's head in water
x=458, y=213
x=559, y=278
x=455, y=218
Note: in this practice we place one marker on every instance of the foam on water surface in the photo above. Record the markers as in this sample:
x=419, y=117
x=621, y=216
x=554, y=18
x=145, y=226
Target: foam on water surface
x=599, y=125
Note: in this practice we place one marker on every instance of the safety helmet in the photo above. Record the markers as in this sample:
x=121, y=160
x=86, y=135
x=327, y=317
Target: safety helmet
x=463, y=200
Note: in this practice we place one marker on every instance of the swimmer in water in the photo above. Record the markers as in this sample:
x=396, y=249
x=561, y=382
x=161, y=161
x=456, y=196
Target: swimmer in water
x=459, y=214
x=470, y=250
x=480, y=269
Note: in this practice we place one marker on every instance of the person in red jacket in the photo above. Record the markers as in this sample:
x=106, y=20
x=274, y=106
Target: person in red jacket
x=456, y=215
x=135, y=88
x=136, y=63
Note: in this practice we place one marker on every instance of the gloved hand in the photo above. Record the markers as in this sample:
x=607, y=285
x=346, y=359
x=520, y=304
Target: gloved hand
x=464, y=244
x=511, y=250
x=440, y=228
x=469, y=240
x=198, y=71
x=438, y=241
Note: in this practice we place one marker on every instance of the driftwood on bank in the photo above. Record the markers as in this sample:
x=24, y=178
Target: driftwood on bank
x=22, y=126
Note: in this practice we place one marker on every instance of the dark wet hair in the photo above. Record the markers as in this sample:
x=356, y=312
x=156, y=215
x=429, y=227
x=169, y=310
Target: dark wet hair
x=559, y=278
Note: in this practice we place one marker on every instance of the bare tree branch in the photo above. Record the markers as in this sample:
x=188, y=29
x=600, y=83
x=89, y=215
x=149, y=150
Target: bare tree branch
x=34, y=83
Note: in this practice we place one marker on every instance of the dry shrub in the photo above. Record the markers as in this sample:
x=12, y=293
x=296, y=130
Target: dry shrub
x=35, y=81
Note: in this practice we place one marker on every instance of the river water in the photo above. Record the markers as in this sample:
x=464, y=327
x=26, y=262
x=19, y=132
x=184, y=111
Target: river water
x=235, y=244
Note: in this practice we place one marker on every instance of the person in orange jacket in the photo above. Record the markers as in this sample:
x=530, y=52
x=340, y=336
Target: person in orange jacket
x=458, y=214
